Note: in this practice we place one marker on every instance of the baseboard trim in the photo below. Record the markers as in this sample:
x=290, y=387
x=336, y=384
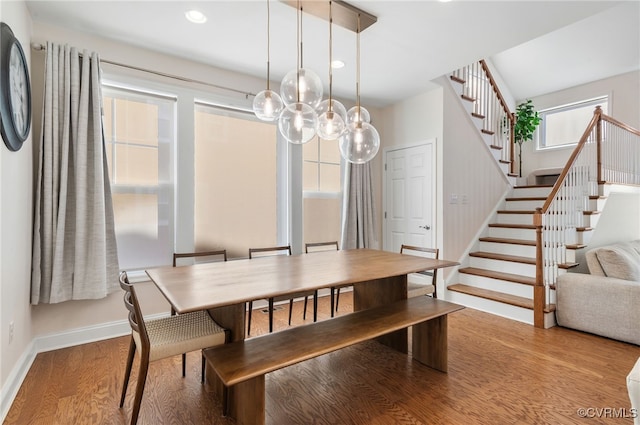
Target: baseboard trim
x=56, y=341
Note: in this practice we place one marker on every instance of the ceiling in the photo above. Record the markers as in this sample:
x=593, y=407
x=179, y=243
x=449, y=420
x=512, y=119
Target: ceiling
x=537, y=46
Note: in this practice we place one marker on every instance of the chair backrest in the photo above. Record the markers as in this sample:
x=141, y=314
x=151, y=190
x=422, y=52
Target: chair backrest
x=320, y=246
x=269, y=251
x=420, y=251
x=209, y=256
x=136, y=321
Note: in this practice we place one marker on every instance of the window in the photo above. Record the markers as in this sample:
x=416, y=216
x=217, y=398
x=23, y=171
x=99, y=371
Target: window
x=563, y=126
x=235, y=181
x=322, y=190
x=139, y=131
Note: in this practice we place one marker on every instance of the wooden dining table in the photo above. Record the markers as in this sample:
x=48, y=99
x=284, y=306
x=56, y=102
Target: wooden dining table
x=224, y=288
x=378, y=277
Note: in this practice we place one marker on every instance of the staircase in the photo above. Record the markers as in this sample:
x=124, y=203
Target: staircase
x=500, y=273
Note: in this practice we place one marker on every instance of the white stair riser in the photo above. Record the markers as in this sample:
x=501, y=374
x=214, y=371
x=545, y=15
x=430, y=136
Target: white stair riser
x=571, y=255
x=508, y=249
x=517, y=289
x=523, y=205
x=584, y=237
x=522, y=269
x=511, y=233
x=528, y=192
x=507, y=218
x=500, y=309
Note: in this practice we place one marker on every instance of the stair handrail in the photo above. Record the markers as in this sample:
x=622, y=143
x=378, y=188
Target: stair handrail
x=573, y=187
x=489, y=104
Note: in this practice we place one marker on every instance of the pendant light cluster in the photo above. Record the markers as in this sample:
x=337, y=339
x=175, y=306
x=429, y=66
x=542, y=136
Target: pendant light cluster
x=301, y=113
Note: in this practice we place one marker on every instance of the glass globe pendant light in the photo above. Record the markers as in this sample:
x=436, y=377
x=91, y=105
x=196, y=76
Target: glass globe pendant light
x=360, y=142
x=299, y=120
x=330, y=124
x=267, y=105
x=301, y=84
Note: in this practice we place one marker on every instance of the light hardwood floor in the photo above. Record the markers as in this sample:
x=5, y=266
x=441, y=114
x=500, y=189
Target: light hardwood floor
x=500, y=372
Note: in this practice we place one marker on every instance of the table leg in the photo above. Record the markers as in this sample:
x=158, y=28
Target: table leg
x=379, y=292
x=231, y=318
x=429, y=343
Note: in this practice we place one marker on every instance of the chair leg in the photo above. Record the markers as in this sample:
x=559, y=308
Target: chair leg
x=290, y=310
x=435, y=291
x=333, y=300
x=304, y=312
x=249, y=321
x=270, y=315
x=337, y=299
x=315, y=306
x=184, y=364
x=204, y=365
x=142, y=378
x=127, y=372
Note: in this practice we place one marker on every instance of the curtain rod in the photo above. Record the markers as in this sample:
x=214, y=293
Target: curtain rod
x=38, y=46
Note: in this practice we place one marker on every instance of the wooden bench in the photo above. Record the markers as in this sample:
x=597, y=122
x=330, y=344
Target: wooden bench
x=241, y=366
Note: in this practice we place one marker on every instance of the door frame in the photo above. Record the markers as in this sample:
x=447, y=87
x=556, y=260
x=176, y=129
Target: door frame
x=434, y=173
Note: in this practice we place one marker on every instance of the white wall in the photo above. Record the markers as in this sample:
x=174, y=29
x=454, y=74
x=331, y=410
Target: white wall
x=468, y=170
x=623, y=91
x=15, y=226
x=417, y=119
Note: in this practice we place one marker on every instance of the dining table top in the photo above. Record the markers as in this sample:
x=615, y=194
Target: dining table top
x=211, y=285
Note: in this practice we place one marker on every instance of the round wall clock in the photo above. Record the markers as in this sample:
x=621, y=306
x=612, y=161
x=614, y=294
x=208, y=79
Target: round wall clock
x=15, y=91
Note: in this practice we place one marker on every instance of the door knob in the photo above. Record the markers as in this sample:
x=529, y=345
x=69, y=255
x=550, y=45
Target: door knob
x=425, y=227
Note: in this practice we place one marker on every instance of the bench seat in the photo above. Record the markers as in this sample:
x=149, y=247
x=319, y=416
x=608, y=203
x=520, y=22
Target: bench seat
x=243, y=360
x=241, y=366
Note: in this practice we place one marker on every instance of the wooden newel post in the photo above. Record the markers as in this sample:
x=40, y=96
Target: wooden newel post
x=539, y=300
x=598, y=113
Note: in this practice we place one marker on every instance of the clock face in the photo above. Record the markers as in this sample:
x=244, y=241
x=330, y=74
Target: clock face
x=15, y=91
x=19, y=92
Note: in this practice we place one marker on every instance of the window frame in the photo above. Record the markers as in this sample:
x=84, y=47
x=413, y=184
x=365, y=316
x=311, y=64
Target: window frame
x=540, y=134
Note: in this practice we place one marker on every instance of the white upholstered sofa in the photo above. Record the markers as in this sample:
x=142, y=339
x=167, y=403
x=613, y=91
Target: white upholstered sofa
x=606, y=301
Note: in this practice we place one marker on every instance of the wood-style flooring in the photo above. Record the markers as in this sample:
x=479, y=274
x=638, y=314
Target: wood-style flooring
x=500, y=372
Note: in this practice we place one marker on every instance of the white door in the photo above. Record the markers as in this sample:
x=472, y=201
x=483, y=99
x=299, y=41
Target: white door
x=409, y=190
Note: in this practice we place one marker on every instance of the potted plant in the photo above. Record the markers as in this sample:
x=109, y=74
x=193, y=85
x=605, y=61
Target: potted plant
x=527, y=120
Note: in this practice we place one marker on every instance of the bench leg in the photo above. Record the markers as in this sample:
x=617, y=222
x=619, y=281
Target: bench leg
x=246, y=402
x=430, y=343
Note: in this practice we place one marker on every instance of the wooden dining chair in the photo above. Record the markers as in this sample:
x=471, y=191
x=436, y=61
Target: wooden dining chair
x=416, y=289
x=180, y=259
x=161, y=338
x=281, y=250
x=327, y=246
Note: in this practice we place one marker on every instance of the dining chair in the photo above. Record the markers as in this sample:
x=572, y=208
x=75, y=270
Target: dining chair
x=281, y=250
x=161, y=338
x=209, y=256
x=327, y=246
x=416, y=289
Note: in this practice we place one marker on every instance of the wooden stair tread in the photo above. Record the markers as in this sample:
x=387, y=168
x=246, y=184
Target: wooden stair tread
x=567, y=266
x=496, y=147
x=508, y=240
x=512, y=226
x=530, y=186
x=489, y=132
x=512, y=175
x=504, y=161
x=477, y=115
x=509, y=277
x=575, y=246
x=529, y=198
x=498, y=296
x=467, y=98
x=515, y=212
x=584, y=229
x=503, y=257
x=457, y=80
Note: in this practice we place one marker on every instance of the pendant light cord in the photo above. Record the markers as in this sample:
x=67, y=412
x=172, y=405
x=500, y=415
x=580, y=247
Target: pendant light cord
x=299, y=42
x=330, y=53
x=358, y=69
x=268, y=42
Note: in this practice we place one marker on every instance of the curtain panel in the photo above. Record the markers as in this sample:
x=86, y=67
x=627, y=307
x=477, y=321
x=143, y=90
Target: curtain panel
x=74, y=245
x=358, y=208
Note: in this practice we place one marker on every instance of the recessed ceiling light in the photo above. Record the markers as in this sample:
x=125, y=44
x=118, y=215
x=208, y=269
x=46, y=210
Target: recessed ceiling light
x=337, y=64
x=195, y=16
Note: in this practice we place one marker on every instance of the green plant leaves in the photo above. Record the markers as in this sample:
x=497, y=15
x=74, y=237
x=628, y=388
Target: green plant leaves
x=527, y=120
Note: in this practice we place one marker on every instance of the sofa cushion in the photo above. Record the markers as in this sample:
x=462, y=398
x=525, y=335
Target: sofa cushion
x=621, y=261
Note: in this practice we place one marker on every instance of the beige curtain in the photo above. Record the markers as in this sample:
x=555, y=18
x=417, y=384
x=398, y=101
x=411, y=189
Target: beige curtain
x=358, y=208
x=74, y=247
